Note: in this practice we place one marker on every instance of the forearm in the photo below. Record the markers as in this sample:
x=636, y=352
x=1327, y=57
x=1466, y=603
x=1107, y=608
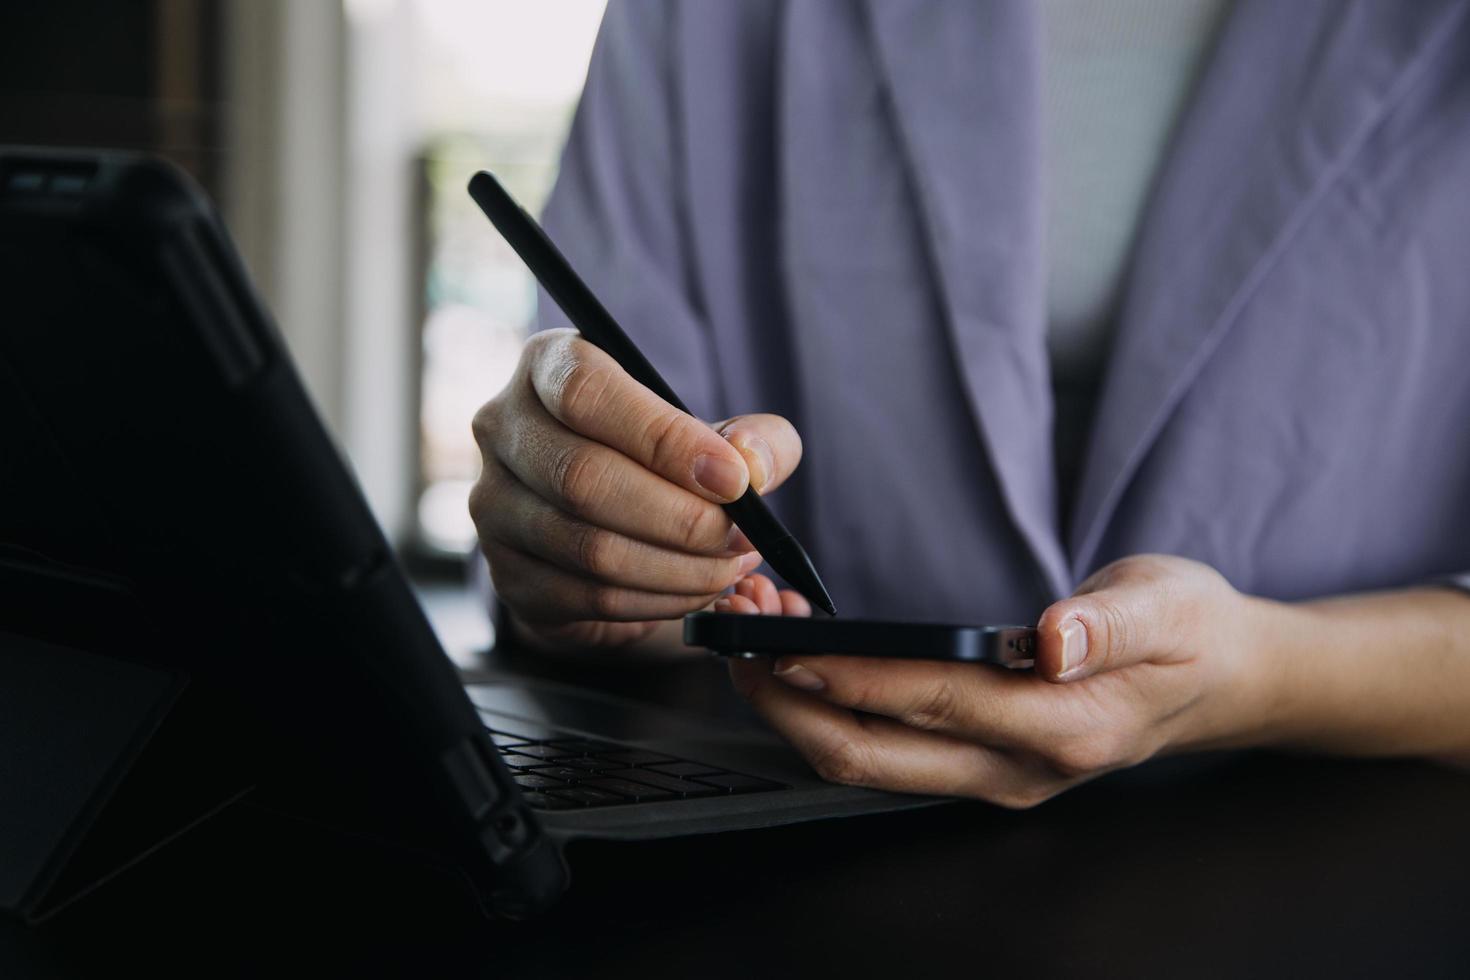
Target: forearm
x=1371, y=675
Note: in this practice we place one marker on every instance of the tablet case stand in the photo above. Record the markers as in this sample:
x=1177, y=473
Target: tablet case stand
x=109, y=751
x=101, y=761
x=104, y=756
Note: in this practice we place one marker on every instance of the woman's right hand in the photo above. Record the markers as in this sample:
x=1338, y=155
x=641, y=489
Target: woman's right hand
x=598, y=503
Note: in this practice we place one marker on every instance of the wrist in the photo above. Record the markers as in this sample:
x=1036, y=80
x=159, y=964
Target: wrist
x=1268, y=657
x=1256, y=682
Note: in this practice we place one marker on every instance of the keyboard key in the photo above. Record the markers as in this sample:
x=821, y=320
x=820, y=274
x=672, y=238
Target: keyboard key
x=626, y=787
x=504, y=742
x=541, y=801
x=549, y=753
x=588, y=763
x=638, y=757
x=532, y=780
x=737, y=783
x=518, y=770
x=567, y=773
x=589, y=797
x=657, y=779
x=585, y=746
x=685, y=768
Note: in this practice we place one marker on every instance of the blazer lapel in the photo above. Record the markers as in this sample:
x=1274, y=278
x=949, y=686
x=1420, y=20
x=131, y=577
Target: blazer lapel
x=1292, y=92
x=962, y=86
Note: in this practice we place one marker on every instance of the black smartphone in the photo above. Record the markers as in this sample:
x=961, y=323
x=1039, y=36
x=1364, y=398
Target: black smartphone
x=736, y=635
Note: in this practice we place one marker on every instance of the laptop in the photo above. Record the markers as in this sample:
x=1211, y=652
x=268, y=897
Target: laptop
x=196, y=605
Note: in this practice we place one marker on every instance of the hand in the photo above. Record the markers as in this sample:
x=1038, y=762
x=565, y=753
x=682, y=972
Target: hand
x=1152, y=654
x=598, y=503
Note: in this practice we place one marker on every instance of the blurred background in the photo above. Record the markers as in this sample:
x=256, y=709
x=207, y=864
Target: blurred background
x=337, y=137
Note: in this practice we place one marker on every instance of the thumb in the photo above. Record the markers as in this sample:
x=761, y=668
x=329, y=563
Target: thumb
x=1116, y=626
x=770, y=445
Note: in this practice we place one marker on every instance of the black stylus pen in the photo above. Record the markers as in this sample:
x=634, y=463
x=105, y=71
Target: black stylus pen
x=776, y=545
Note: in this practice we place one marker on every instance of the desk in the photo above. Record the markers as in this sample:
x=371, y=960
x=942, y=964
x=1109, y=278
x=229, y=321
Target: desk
x=1259, y=866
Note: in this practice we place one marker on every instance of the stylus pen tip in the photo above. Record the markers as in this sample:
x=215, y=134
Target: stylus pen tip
x=824, y=602
x=802, y=576
x=790, y=560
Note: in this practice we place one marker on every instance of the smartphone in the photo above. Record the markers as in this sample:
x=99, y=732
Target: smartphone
x=736, y=635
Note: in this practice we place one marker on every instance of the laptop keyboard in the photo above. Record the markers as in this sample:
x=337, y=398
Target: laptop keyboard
x=563, y=771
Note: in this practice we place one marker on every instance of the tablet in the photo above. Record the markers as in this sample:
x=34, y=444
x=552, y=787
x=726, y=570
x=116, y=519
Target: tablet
x=170, y=490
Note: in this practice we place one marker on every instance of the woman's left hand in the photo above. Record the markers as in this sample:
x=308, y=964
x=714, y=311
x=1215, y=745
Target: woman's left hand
x=1152, y=654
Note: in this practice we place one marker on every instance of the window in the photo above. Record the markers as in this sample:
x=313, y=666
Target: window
x=498, y=83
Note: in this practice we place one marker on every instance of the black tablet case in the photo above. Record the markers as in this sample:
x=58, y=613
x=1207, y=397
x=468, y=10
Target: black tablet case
x=181, y=542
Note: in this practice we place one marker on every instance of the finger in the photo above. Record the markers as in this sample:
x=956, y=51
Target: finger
x=605, y=488
x=883, y=754
x=523, y=521
x=590, y=393
x=794, y=604
x=737, y=604
x=769, y=444
x=999, y=707
x=540, y=593
x=762, y=591
x=1126, y=620
x=766, y=595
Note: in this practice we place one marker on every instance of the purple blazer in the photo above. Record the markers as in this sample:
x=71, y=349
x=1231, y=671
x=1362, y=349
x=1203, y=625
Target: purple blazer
x=832, y=210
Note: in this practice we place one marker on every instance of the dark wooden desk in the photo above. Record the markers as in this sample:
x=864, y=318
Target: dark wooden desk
x=1256, y=866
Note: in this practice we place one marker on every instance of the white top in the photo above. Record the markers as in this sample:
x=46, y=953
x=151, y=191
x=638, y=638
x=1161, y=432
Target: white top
x=1116, y=76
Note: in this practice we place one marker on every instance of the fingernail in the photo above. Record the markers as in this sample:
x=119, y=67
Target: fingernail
x=749, y=562
x=1074, y=645
x=758, y=458
x=798, y=676
x=737, y=542
x=722, y=605
x=722, y=477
